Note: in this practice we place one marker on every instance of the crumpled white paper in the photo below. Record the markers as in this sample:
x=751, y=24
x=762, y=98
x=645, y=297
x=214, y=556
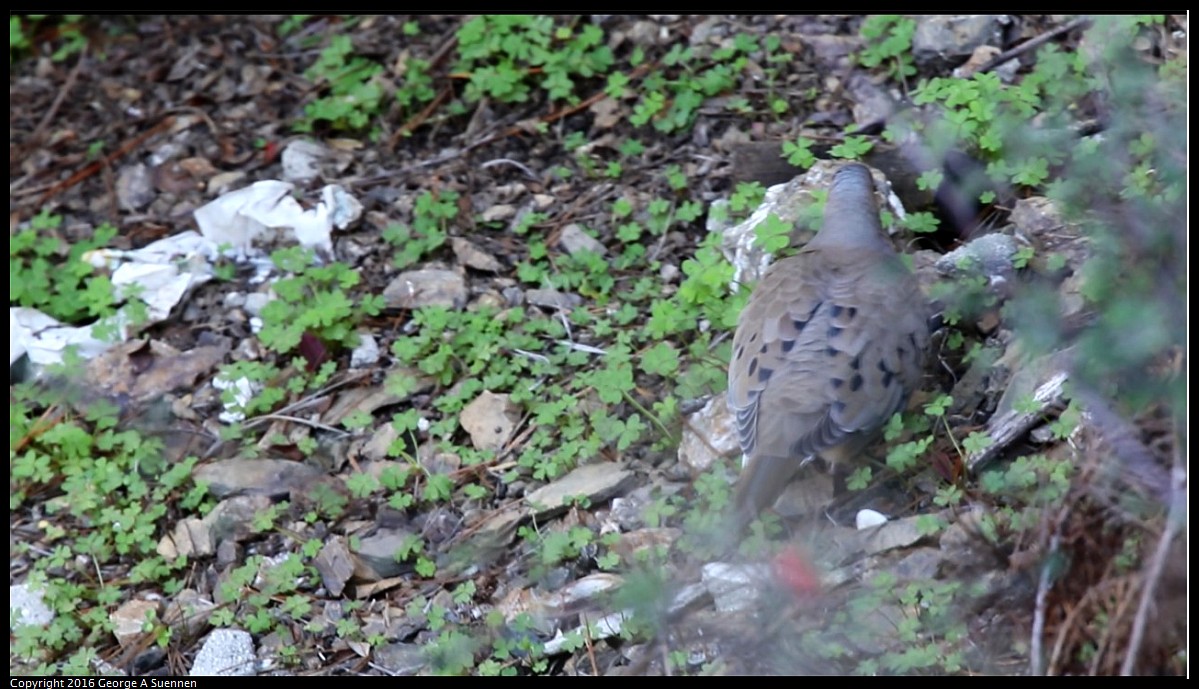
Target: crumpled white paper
x=239, y=217
x=44, y=338
x=166, y=270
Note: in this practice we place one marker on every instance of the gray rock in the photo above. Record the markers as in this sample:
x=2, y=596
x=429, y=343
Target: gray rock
x=335, y=565
x=188, y=612
x=27, y=607
x=378, y=551
x=1037, y=216
x=990, y=255
x=596, y=482
x=401, y=659
x=553, y=299
x=301, y=161
x=953, y=38
x=490, y=419
x=574, y=239
x=708, y=435
x=831, y=50
x=227, y=653
x=498, y=212
x=366, y=354
x=135, y=187
x=734, y=587
x=471, y=256
x=413, y=289
x=270, y=477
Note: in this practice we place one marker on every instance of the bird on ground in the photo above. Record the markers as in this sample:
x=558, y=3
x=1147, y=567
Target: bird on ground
x=830, y=345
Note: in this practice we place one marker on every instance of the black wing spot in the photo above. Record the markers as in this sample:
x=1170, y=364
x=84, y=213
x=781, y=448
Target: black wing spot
x=753, y=366
x=856, y=364
x=788, y=345
x=740, y=353
x=834, y=331
x=888, y=374
x=764, y=374
x=836, y=310
x=853, y=311
x=763, y=349
x=832, y=351
x=799, y=325
x=855, y=383
x=837, y=382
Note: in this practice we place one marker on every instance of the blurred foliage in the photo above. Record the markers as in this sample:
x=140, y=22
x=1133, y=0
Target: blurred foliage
x=1126, y=190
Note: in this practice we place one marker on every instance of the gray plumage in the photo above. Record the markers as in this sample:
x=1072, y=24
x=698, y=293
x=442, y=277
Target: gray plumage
x=829, y=346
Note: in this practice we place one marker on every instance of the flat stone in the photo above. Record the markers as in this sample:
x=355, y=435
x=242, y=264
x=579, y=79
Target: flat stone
x=471, y=256
x=335, y=564
x=129, y=620
x=375, y=558
x=188, y=611
x=270, y=477
x=227, y=653
x=596, y=482
x=490, y=419
x=734, y=587
x=401, y=659
x=135, y=187
x=574, y=239
x=708, y=435
x=553, y=299
x=414, y=289
x=27, y=607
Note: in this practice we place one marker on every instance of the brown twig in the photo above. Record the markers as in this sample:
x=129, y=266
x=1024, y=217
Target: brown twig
x=1174, y=521
x=590, y=646
x=1044, y=584
x=1033, y=43
x=98, y=165
x=876, y=125
x=58, y=99
x=419, y=118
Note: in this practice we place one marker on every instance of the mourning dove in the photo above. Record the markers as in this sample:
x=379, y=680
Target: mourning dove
x=830, y=345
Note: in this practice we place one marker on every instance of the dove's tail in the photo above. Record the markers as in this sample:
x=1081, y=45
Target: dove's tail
x=761, y=483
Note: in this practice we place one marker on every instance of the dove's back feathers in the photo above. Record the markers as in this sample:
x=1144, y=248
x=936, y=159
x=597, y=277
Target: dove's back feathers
x=829, y=346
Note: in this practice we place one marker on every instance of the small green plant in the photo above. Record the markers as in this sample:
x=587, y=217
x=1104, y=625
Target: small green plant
x=45, y=275
x=67, y=29
x=416, y=86
x=745, y=198
x=431, y=216
x=18, y=39
x=888, y=39
x=670, y=99
x=507, y=56
x=852, y=148
x=1025, y=488
x=292, y=22
x=314, y=300
x=921, y=223
x=355, y=93
x=772, y=234
x=103, y=492
x=799, y=152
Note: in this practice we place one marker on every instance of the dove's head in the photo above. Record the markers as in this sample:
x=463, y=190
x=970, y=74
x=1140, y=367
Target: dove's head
x=851, y=213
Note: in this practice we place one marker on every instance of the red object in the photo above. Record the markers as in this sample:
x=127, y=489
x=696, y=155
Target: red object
x=313, y=351
x=796, y=573
x=270, y=151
